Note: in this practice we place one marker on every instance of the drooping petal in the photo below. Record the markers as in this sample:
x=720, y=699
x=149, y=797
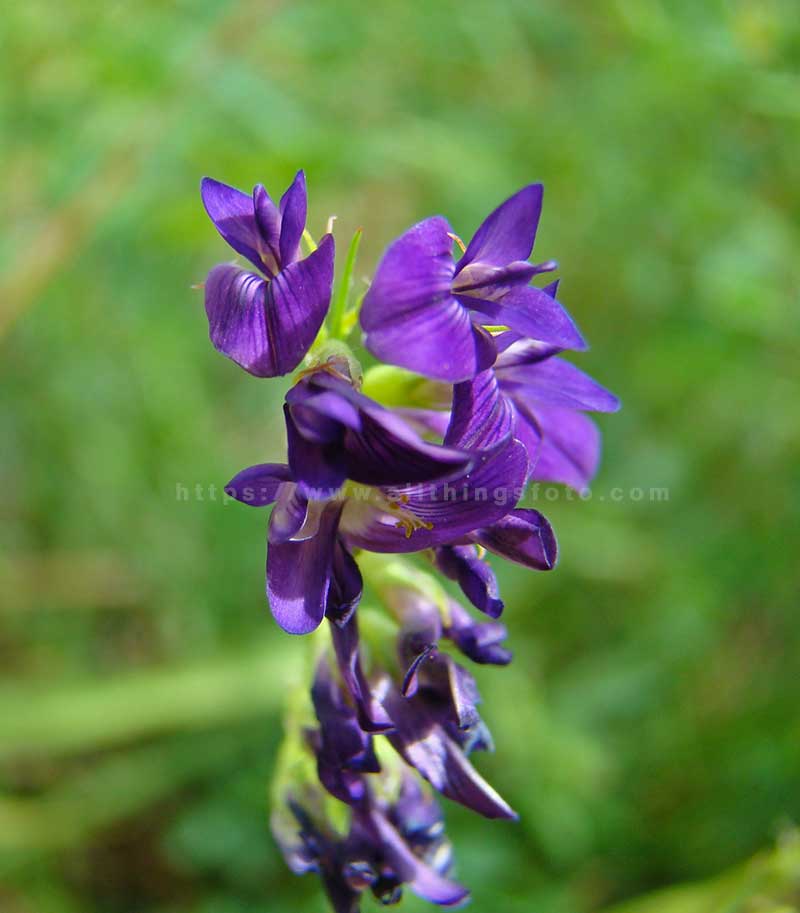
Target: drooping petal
x=569, y=451
x=434, y=514
x=410, y=317
x=299, y=576
x=423, y=880
x=232, y=213
x=556, y=382
x=343, y=749
x=508, y=233
x=475, y=576
x=426, y=746
x=258, y=485
x=371, y=715
x=293, y=208
x=481, y=416
x=524, y=536
x=347, y=586
x=531, y=312
x=299, y=297
x=480, y=641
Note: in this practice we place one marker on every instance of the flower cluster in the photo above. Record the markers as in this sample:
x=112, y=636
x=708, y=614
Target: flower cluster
x=427, y=454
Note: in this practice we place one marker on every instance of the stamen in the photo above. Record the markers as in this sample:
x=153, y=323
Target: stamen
x=329, y=226
x=458, y=241
x=407, y=520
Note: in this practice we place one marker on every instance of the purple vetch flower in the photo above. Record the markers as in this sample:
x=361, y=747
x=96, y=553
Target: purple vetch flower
x=428, y=313
x=434, y=708
x=393, y=500
x=389, y=844
x=266, y=321
x=342, y=748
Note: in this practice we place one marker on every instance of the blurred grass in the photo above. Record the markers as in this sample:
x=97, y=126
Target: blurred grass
x=653, y=735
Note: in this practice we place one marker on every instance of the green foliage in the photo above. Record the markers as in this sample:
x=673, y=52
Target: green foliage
x=647, y=731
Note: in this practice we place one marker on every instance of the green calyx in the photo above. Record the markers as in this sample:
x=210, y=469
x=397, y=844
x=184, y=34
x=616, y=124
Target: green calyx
x=392, y=386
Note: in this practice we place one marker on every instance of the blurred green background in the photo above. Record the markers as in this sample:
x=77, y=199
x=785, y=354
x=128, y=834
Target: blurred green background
x=648, y=730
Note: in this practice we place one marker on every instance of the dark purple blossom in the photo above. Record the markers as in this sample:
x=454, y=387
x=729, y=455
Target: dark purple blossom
x=389, y=844
x=266, y=321
x=340, y=435
x=428, y=313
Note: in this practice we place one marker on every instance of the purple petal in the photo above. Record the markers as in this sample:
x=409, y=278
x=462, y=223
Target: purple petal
x=388, y=452
x=237, y=320
x=300, y=296
x=347, y=586
x=427, y=747
x=556, y=382
x=409, y=316
x=343, y=749
x=410, y=683
x=439, y=514
x=480, y=641
x=524, y=536
x=426, y=421
x=268, y=221
x=481, y=416
x=424, y=881
x=232, y=213
x=319, y=469
x=474, y=575
x=383, y=449
x=481, y=280
x=516, y=350
x=258, y=485
x=299, y=576
x=508, y=233
x=289, y=515
x=293, y=219
x=531, y=312
x=371, y=715
x=569, y=451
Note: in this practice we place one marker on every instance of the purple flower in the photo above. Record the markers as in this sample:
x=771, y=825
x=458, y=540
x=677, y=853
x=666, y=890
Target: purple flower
x=266, y=321
x=337, y=434
x=434, y=709
x=428, y=313
x=388, y=844
x=343, y=750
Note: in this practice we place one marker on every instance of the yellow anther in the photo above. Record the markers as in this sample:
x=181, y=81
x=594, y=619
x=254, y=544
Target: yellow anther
x=406, y=519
